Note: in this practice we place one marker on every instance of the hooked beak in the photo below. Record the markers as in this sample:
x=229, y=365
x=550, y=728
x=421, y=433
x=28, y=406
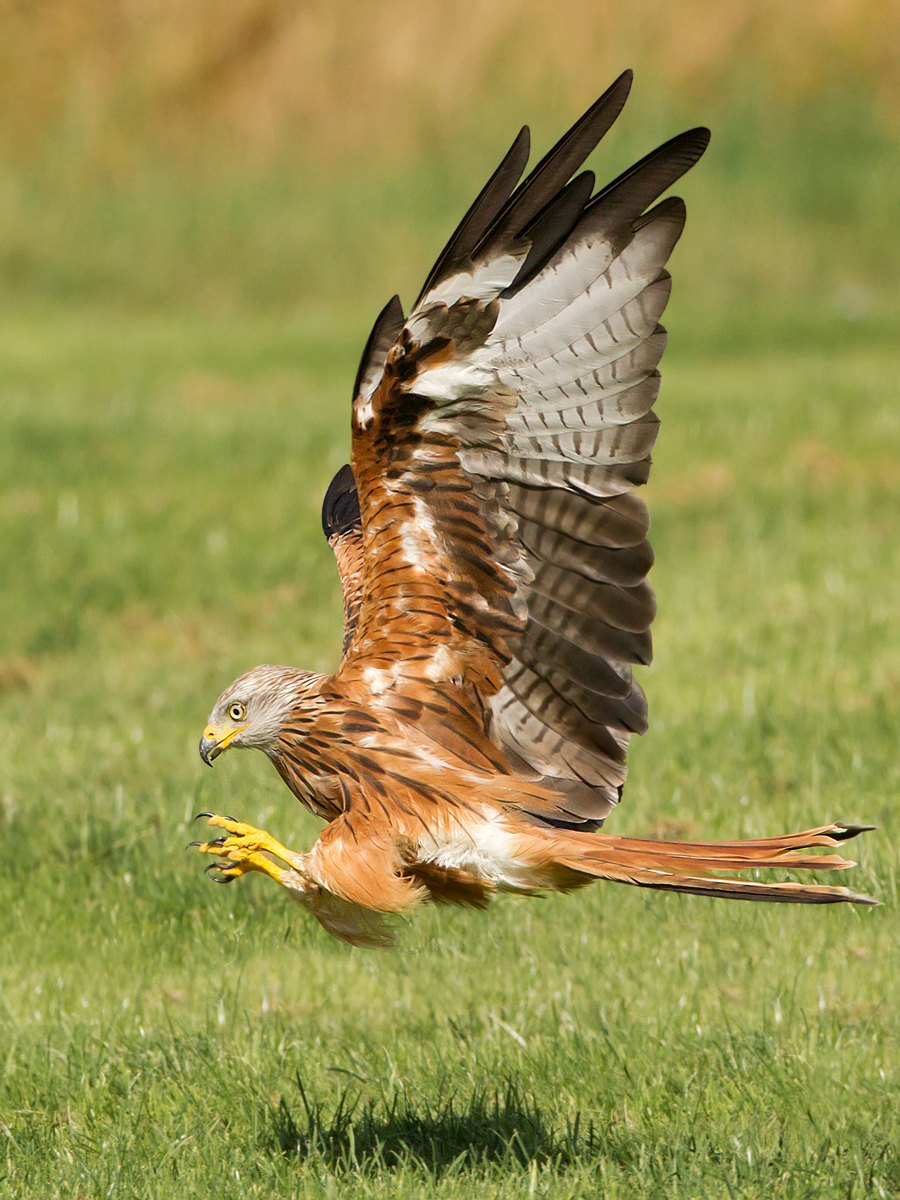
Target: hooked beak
x=209, y=749
x=211, y=745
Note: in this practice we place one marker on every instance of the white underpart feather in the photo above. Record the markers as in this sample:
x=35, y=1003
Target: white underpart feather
x=442, y=665
x=484, y=849
x=378, y=680
x=418, y=537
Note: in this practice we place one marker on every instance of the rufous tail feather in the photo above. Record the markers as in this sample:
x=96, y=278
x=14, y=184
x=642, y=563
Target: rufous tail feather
x=689, y=866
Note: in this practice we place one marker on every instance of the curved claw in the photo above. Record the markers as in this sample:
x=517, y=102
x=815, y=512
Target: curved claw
x=215, y=867
x=188, y=846
x=222, y=879
x=199, y=815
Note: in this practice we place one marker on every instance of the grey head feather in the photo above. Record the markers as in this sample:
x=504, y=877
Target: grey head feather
x=268, y=694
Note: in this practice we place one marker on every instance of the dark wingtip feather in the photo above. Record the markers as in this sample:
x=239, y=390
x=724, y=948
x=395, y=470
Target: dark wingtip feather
x=558, y=166
x=643, y=183
x=483, y=211
x=673, y=208
x=340, y=509
x=384, y=333
x=550, y=228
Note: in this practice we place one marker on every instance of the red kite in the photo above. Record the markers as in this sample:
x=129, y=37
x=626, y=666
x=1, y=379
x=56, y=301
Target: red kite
x=494, y=560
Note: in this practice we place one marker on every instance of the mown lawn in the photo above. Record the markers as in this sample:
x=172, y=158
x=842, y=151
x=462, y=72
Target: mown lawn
x=160, y=480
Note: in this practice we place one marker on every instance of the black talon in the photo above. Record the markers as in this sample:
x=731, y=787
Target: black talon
x=223, y=867
x=188, y=846
x=199, y=815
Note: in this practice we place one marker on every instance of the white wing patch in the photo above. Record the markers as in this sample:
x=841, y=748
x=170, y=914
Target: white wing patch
x=482, y=282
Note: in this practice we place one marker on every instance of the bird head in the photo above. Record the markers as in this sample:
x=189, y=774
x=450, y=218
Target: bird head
x=253, y=711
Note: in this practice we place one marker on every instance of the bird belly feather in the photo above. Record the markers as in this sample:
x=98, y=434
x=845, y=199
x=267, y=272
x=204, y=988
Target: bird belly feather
x=485, y=848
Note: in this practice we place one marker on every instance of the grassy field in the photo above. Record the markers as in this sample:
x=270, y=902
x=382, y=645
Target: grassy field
x=176, y=351
x=165, y=1038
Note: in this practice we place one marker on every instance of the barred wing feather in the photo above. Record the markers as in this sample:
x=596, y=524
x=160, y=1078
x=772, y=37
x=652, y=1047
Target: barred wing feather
x=497, y=433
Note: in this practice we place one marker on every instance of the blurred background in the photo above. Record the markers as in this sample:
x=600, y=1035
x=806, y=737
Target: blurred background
x=203, y=205
x=267, y=155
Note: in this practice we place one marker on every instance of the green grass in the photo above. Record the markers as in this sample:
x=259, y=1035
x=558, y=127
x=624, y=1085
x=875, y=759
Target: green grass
x=162, y=1037
x=173, y=401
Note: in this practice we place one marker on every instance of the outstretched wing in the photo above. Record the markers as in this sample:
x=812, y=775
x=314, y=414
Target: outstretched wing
x=497, y=433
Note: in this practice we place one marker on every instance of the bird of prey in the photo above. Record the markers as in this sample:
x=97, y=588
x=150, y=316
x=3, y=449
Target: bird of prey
x=493, y=559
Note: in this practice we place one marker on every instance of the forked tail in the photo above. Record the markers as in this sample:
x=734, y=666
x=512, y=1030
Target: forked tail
x=690, y=866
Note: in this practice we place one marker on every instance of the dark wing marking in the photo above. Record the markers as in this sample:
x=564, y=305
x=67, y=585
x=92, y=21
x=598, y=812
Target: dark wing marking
x=384, y=333
x=484, y=210
x=342, y=526
x=340, y=508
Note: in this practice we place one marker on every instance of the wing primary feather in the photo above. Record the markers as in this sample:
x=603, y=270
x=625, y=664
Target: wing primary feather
x=490, y=200
x=384, y=333
x=550, y=228
x=631, y=192
x=556, y=168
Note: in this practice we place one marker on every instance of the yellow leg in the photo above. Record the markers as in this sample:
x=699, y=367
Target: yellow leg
x=246, y=850
x=250, y=861
x=244, y=837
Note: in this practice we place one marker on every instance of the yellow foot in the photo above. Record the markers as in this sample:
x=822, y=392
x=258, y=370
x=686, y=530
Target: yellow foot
x=245, y=850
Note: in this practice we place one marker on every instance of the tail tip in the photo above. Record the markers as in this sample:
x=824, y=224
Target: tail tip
x=842, y=832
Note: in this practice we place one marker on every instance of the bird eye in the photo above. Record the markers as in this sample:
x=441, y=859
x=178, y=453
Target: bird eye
x=237, y=712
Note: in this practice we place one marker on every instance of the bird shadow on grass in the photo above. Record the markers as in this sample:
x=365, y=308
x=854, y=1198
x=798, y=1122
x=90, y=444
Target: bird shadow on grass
x=440, y=1136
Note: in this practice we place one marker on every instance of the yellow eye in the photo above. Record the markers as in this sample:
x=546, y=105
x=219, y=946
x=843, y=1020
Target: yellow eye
x=237, y=712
